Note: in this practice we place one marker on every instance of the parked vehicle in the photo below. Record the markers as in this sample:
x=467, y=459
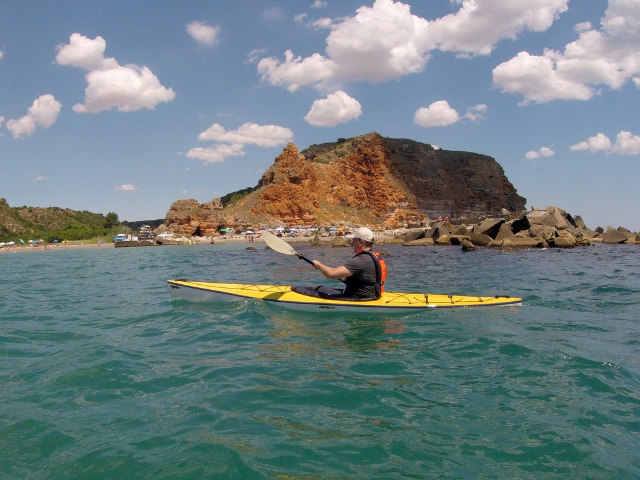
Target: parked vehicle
x=121, y=237
x=145, y=233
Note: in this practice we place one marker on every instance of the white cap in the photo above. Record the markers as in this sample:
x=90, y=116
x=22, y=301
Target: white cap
x=363, y=233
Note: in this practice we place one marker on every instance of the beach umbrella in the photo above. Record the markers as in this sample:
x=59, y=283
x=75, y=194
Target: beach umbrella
x=333, y=229
x=55, y=240
x=21, y=241
x=2, y=244
x=11, y=243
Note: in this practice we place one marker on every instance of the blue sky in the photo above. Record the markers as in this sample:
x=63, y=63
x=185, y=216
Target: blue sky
x=127, y=106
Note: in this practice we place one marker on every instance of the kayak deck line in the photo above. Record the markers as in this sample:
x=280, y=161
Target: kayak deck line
x=284, y=296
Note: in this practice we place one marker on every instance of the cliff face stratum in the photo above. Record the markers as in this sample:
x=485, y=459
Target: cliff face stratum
x=364, y=180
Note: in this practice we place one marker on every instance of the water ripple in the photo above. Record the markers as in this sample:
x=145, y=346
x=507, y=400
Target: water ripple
x=104, y=376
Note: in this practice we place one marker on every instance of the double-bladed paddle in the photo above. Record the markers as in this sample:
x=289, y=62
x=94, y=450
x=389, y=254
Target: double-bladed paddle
x=281, y=246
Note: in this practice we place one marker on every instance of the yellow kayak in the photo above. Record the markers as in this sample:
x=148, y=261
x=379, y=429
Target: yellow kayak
x=390, y=302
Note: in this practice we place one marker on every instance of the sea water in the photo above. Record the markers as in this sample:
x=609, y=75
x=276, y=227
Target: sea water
x=104, y=376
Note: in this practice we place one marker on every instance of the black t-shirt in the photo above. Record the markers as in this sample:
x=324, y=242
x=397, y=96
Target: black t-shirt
x=362, y=282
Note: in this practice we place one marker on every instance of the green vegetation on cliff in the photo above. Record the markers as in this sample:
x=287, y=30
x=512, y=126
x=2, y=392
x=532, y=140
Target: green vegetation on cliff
x=231, y=198
x=31, y=223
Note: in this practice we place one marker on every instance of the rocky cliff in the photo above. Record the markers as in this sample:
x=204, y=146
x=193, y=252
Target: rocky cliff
x=364, y=180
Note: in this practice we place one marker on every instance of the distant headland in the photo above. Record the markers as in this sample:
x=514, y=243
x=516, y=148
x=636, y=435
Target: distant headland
x=369, y=179
x=407, y=191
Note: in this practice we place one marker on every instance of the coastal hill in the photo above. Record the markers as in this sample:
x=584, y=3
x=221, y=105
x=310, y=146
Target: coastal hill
x=51, y=223
x=365, y=180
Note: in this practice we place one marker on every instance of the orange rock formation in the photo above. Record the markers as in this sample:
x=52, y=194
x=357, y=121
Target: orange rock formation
x=366, y=180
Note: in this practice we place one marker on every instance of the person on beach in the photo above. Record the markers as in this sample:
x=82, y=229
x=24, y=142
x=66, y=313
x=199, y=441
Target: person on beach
x=364, y=273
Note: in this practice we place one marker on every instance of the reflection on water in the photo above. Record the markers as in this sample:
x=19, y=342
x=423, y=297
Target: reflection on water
x=300, y=333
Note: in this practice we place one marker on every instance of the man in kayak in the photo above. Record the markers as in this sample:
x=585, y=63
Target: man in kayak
x=363, y=275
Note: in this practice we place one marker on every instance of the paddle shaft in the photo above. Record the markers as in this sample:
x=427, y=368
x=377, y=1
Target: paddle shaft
x=302, y=257
x=279, y=245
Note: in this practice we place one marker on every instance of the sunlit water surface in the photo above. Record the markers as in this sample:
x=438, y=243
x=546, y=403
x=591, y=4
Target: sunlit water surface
x=104, y=376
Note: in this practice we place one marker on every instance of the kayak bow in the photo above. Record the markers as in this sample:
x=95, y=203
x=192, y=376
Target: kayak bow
x=283, y=296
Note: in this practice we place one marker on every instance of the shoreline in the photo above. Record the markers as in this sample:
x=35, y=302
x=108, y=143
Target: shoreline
x=326, y=241
x=54, y=248
x=60, y=247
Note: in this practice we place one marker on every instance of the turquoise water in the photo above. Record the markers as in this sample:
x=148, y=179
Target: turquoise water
x=103, y=376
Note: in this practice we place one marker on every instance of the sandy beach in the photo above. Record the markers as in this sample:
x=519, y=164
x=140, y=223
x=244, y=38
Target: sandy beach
x=42, y=248
x=199, y=241
x=74, y=246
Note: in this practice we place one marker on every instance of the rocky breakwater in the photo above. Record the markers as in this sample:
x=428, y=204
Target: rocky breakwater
x=550, y=228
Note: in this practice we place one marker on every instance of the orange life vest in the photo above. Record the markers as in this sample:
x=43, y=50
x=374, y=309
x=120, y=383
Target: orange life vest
x=381, y=271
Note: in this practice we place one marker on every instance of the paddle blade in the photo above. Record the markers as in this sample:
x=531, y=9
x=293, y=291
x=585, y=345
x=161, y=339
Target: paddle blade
x=277, y=244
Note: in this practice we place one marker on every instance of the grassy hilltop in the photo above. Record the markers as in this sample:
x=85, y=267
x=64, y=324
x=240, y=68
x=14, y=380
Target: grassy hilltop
x=49, y=223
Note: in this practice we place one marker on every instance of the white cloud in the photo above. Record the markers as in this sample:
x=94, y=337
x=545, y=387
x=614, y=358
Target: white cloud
x=296, y=72
x=480, y=24
x=318, y=4
x=265, y=136
x=543, y=152
x=127, y=187
x=44, y=112
x=300, y=17
x=626, y=144
x=475, y=113
x=40, y=178
x=216, y=153
x=438, y=114
x=609, y=56
x=1, y=53
x=594, y=144
x=337, y=108
x=380, y=43
x=322, y=23
x=203, y=34
x=386, y=41
x=1, y=120
x=127, y=88
x=82, y=52
x=254, y=55
x=536, y=79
